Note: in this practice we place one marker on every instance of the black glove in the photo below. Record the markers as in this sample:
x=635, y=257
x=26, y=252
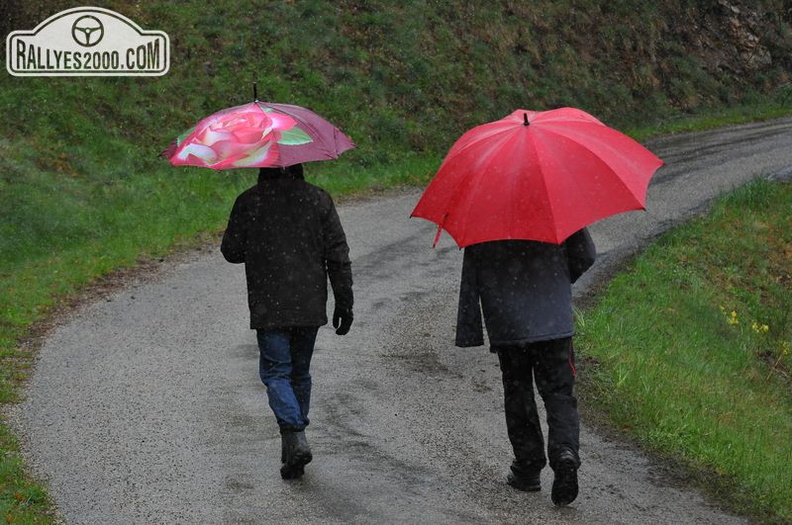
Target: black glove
x=342, y=320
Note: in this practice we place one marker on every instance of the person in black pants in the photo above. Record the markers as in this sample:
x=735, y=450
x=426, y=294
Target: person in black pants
x=524, y=289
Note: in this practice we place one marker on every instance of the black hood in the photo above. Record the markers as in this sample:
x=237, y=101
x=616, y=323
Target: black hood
x=289, y=172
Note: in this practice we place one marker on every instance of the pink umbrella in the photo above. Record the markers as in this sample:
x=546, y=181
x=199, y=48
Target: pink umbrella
x=259, y=134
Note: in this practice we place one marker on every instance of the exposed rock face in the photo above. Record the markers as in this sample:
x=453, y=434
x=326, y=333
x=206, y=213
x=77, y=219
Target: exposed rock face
x=735, y=38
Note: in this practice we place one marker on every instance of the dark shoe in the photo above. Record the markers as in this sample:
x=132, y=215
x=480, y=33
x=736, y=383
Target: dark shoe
x=565, y=484
x=524, y=476
x=291, y=471
x=301, y=454
x=529, y=483
x=295, y=454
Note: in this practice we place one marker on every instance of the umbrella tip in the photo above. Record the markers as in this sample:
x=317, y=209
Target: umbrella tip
x=255, y=91
x=525, y=119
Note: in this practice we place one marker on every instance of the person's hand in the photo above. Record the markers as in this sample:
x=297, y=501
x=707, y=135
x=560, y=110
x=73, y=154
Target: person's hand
x=342, y=320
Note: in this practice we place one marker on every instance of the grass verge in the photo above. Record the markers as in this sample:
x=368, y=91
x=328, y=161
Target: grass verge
x=689, y=349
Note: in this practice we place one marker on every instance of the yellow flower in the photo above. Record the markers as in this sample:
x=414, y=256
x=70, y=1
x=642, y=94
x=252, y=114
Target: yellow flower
x=732, y=319
x=760, y=328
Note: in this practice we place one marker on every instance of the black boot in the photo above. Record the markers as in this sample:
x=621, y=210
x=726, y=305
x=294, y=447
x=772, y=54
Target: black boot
x=565, y=485
x=524, y=478
x=295, y=454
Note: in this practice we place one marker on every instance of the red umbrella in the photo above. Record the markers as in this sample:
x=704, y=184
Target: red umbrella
x=536, y=176
x=259, y=134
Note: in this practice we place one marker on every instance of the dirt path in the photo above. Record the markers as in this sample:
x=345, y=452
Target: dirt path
x=146, y=406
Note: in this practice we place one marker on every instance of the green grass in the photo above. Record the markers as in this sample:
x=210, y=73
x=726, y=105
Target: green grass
x=689, y=350
x=21, y=501
x=739, y=114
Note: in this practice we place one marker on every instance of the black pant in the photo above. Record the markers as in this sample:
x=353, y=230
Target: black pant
x=551, y=365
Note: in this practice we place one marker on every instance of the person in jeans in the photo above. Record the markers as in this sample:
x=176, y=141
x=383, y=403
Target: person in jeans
x=289, y=236
x=524, y=289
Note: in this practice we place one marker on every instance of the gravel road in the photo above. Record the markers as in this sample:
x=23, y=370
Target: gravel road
x=145, y=406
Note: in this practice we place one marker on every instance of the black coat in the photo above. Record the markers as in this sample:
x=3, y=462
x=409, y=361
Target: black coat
x=288, y=234
x=524, y=289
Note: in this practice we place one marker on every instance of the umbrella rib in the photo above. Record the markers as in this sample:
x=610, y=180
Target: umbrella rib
x=478, y=181
x=545, y=194
x=633, y=170
x=515, y=182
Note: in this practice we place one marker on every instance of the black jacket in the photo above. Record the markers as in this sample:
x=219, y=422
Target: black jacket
x=288, y=234
x=524, y=289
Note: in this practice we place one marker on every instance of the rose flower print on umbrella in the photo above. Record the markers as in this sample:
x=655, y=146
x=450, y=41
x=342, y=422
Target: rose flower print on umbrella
x=258, y=134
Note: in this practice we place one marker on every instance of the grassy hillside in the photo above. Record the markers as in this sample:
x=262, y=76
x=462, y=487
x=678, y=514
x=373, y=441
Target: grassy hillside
x=83, y=192
x=413, y=74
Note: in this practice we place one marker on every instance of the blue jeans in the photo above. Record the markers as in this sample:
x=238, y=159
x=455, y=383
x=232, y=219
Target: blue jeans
x=284, y=367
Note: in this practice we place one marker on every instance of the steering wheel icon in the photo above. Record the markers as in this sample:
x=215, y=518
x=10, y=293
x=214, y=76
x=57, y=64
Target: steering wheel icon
x=87, y=31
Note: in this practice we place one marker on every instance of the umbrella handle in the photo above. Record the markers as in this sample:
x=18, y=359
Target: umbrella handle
x=437, y=236
x=439, y=230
